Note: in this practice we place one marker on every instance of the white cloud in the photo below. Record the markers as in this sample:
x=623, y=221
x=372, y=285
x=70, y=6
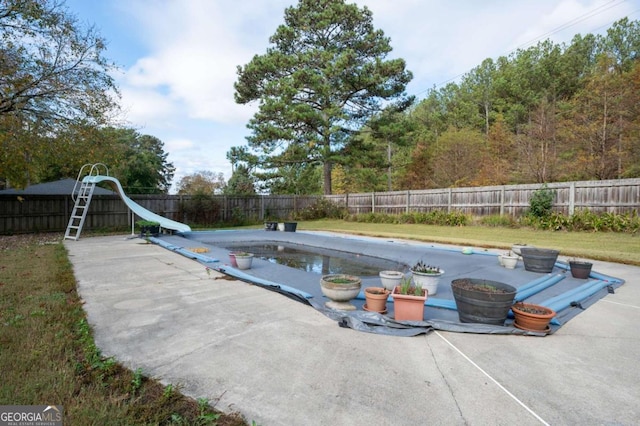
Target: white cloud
x=195, y=47
x=144, y=105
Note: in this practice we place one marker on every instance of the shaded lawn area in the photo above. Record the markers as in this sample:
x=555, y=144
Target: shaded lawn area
x=48, y=356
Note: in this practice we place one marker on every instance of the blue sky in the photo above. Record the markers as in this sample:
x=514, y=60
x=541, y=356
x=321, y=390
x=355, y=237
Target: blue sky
x=178, y=58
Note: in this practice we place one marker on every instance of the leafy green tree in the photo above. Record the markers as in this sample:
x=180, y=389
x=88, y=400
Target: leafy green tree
x=51, y=68
x=457, y=157
x=622, y=44
x=241, y=182
x=201, y=182
x=480, y=86
x=143, y=168
x=295, y=178
x=53, y=75
x=599, y=125
x=325, y=74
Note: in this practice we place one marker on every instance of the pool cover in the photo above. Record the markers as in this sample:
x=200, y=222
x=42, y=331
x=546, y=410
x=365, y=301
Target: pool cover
x=558, y=290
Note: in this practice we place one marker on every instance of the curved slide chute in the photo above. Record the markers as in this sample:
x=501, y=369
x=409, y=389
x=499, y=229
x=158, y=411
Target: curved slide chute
x=135, y=207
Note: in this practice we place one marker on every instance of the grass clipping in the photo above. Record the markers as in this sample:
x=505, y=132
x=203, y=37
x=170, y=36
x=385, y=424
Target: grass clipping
x=48, y=356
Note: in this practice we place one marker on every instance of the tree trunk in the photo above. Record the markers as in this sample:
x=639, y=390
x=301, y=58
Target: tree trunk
x=326, y=170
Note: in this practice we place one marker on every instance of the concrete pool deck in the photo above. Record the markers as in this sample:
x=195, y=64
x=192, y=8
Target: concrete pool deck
x=279, y=362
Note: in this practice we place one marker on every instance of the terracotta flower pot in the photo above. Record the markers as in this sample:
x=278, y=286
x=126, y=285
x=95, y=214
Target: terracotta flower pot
x=532, y=317
x=376, y=299
x=407, y=307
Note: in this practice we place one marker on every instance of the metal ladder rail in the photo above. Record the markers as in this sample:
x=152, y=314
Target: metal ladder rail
x=82, y=198
x=80, y=209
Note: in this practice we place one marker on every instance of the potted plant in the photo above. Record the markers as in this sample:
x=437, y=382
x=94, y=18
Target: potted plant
x=580, y=269
x=270, y=226
x=539, y=259
x=390, y=279
x=243, y=259
x=483, y=301
x=148, y=227
x=340, y=288
x=531, y=317
x=517, y=247
x=376, y=299
x=427, y=276
x=408, y=301
x=290, y=226
x=509, y=260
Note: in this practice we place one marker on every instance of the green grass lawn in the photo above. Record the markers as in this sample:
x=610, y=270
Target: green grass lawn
x=48, y=355
x=607, y=246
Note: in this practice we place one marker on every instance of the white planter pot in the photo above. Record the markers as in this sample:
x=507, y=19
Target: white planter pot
x=517, y=247
x=244, y=262
x=509, y=262
x=391, y=279
x=428, y=282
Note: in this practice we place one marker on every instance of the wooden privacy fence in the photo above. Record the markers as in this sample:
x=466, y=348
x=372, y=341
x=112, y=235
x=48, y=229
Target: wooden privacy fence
x=30, y=213
x=614, y=196
x=45, y=213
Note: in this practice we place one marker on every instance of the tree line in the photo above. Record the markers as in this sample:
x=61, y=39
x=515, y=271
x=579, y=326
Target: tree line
x=551, y=112
x=333, y=116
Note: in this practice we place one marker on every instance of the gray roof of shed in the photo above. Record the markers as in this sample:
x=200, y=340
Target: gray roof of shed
x=58, y=187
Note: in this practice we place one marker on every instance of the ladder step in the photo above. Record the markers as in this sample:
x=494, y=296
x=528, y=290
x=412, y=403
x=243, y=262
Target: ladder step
x=80, y=210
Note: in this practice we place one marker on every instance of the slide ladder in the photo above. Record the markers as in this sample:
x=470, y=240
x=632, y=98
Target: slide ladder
x=82, y=197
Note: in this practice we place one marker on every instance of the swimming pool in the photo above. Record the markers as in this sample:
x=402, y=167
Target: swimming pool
x=570, y=295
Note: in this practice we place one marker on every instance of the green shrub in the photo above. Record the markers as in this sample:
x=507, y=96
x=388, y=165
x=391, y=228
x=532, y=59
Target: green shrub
x=585, y=220
x=541, y=202
x=321, y=209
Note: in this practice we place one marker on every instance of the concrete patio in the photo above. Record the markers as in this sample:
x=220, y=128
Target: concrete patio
x=279, y=362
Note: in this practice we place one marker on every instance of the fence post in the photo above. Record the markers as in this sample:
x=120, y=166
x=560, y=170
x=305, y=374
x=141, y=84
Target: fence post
x=502, y=201
x=449, y=198
x=408, y=201
x=572, y=198
x=373, y=202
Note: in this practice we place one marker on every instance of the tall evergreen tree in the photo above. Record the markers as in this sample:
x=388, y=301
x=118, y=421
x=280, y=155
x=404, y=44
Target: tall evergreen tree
x=325, y=74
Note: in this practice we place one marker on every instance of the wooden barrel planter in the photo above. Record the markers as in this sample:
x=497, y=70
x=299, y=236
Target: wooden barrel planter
x=539, y=259
x=482, y=301
x=580, y=269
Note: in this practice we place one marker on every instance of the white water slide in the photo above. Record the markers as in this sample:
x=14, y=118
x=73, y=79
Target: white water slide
x=137, y=208
x=83, y=196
